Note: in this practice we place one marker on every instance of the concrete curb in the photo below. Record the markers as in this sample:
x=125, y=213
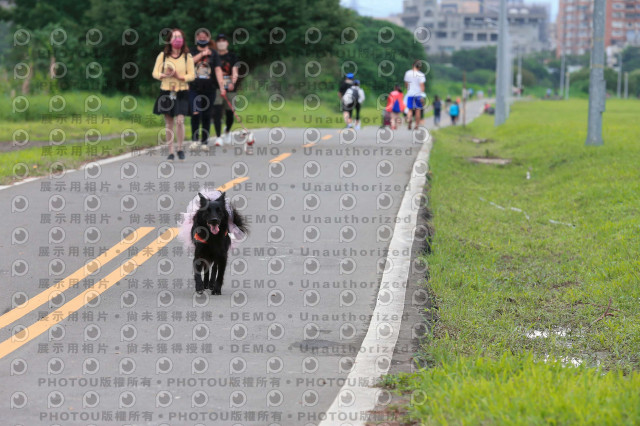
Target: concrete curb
x=354, y=400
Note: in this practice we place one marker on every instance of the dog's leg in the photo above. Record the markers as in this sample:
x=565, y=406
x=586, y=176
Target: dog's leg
x=198, y=274
x=205, y=277
x=222, y=265
x=211, y=277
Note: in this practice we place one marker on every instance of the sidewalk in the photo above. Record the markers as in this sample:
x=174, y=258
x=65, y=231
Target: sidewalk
x=474, y=108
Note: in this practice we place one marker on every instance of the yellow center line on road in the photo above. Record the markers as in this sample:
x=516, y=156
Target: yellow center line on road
x=307, y=145
x=325, y=137
x=73, y=279
x=280, y=157
x=24, y=336
x=231, y=183
x=29, y=333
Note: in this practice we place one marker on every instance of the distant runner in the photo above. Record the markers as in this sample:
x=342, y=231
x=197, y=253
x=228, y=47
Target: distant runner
x=414, y=82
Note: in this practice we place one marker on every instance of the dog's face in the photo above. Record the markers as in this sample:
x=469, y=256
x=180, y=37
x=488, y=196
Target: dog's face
x=213, y=212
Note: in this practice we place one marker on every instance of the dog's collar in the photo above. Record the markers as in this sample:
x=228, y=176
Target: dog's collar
x=199, y=239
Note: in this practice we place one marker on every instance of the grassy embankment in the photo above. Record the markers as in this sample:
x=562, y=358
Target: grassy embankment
x=534, y=276
x=81, y=136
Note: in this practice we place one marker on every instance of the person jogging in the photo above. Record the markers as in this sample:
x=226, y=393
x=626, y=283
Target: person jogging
x=229, y=61
x=202, y=90
x=174, y=68
x=414, y=82
x=346, y=99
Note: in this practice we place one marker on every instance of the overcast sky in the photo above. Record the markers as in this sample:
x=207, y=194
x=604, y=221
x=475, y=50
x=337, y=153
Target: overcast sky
x=381, y=8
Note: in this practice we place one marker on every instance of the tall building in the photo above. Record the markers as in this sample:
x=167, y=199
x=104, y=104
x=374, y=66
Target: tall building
x=471, y=24
x=574, y=25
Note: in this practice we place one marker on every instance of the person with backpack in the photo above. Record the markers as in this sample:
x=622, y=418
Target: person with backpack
x=346, y=98
x=395, y=105
x=454, y=112
x=447, y=104
x=437, y=108
x=414, y=82
x=175, y=69
x=202, y=90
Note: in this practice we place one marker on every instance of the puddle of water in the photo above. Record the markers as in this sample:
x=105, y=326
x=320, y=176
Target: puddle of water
x=561, y=332
x=566, y=361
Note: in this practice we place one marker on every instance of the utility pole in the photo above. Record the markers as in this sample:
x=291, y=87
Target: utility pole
x=508, y=81
x=501, y=66
x=519, y=78
x=626, y=85
x=562, y=72
x=567, y=85
x=464, y=98
x=562, y=46
x=597, y=86
x=619, y=73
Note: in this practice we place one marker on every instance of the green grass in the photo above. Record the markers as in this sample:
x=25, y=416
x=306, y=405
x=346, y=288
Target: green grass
x=519, y=390
x=65, y=129
x=72, y=124
x=497, y=275
x=40, y=161
x=122, y=109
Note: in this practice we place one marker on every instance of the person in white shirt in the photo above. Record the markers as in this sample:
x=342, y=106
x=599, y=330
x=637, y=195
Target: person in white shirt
x=414, y=83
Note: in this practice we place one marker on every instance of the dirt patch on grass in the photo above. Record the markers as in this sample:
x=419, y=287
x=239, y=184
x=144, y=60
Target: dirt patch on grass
x=565, y=284
x=394, y=414
x=491, y=160
x=481, y=140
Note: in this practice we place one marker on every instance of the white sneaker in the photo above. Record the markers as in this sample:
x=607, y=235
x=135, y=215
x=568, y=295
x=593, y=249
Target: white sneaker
x=218, y=141
x=227, y=138
x=358, y=126
x=348, y=125
x=194, y=145
x=204, y=147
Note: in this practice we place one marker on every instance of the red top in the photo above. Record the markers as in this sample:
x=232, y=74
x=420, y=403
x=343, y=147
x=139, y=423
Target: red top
x=392, y=99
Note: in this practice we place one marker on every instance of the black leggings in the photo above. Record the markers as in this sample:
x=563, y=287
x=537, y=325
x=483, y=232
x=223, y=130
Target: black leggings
x=217, y=118
x=356, y=107
x=203, y=116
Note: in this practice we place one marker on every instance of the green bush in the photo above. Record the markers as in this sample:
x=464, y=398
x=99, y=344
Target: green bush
x=481, y=77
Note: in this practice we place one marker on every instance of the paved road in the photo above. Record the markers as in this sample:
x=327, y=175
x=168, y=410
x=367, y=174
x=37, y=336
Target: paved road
x=100, y=322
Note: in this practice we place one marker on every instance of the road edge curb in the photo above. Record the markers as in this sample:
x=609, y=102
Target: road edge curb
x=362, y=399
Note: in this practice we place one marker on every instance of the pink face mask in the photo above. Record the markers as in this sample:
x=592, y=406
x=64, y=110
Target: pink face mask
x=176, y=43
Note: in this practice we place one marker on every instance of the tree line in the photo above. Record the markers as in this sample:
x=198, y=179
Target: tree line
x=111, y=46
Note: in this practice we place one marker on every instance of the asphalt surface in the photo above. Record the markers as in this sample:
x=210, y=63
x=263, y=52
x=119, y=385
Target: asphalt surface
x=133, y=344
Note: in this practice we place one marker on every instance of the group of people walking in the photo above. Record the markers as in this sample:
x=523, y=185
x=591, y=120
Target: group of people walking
x=416, y=102
x=200, y=82
x=414, y=83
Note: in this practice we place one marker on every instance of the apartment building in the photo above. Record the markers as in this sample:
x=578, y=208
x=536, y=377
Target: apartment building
x=471, y=24
x=574, y=25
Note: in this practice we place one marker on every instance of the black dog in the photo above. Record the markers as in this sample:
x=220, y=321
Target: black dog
x=210, y=234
